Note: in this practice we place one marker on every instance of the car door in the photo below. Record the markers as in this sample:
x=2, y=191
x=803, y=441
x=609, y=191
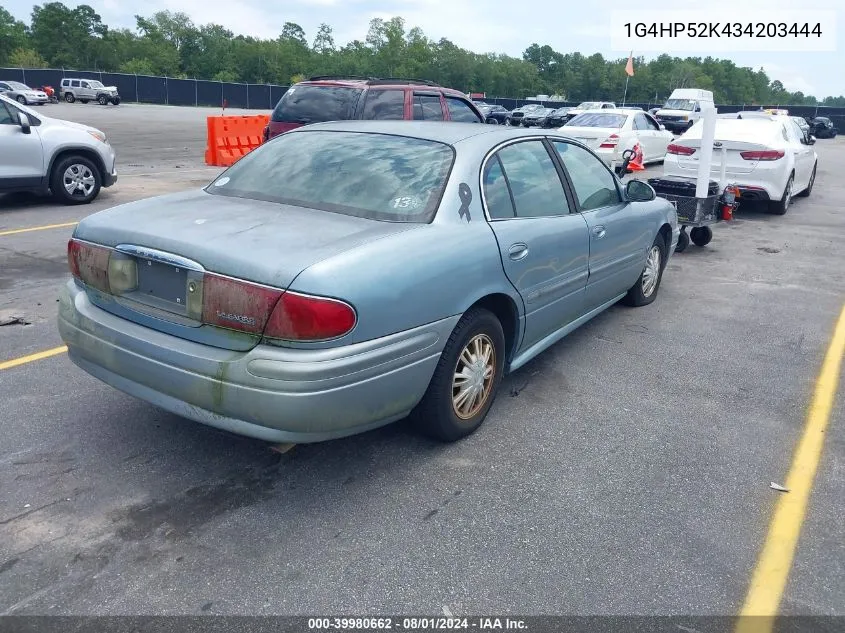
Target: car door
x=659, y=139
x=543, y=244
x=618, y=238
x=644, y=136
x=22, y=158
x=803, y=153
x=85, y=91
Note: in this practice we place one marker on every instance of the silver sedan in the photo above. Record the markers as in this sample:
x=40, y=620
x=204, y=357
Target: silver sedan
x=346, y=275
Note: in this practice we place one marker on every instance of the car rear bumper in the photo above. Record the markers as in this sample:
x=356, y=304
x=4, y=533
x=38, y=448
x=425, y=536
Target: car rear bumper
x=270, y=393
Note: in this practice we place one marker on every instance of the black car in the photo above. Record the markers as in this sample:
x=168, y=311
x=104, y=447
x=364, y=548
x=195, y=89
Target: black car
x=494, y=114
x=518, y=114
x=558, y=117
x=822, y=127
x=537, y=118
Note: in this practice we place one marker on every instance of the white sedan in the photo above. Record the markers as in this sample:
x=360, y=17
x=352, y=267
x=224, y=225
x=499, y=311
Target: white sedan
x=768, y=157
x=610, y=132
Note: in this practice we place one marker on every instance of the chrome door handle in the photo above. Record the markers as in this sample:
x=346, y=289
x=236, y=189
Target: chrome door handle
x=599, y=232
x=518, y=251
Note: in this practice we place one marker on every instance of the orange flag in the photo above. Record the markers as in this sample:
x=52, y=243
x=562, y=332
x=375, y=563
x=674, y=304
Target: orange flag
x=629, y=67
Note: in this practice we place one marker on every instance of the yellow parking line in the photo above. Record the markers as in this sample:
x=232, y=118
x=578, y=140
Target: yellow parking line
x=23, y=360
x=773, y=567
x=38, y=228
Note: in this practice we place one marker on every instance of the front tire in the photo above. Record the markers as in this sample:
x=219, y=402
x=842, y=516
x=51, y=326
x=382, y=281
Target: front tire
x=103, y=100
x=645, y=290
x=75, y=180
x=466, y=380
x=782, y=206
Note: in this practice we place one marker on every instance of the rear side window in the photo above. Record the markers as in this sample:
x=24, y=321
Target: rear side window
x=460, y=111
x=316, y=104
x=385, y=105
x=427, y=108
x=373, y=176
x=74, y=84
x=496, y=193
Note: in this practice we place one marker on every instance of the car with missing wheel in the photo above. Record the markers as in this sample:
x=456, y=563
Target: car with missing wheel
x=768, y=157
x=85, y=90
x=46, y=155
x=348, y=274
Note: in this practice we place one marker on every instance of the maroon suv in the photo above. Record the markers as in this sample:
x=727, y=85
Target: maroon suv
x=322, y=99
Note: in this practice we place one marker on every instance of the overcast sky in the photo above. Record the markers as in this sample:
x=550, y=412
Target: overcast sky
x=499, y=26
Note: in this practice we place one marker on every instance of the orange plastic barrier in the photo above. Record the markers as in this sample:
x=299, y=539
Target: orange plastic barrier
x=231, y=137
x=636, y=163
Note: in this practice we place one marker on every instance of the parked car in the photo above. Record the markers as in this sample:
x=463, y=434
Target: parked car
x=683, y=108
x=43, y=154
x=768, y=157
x=559, y=116
x=342, y=98
x=823, y=127
x=494, y=114
x=590, y=105
x=85, y=90
x=537, y=118
x=309, y=292
x=23, y=93
x=517, y=114
x=611, y=132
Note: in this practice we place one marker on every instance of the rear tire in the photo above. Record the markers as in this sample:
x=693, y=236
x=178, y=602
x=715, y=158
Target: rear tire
x=782, y=206
x=809, y=188
x=466, y=380
x=69, y=97
x=21, y=99
x=683, y=242
x=492, y=121
x=644, y=291
x=75, y=170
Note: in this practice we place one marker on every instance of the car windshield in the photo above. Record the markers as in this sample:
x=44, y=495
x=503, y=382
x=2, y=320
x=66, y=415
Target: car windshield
x=374, y=176
x=316, y=104
x=679, y=104
x=95, y=84
x=598, y=120
x=16, y=85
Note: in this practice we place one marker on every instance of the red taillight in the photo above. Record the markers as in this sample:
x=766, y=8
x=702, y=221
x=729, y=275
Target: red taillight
x=235, y=304
x=89, y=264
x=299, y=317
x=610, y=142
x=768, y=154
x=680, y=150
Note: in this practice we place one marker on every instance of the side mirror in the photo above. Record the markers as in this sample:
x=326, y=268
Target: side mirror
x=23, y=121
x=662, y=128
x=639, y=191
x=811, y=140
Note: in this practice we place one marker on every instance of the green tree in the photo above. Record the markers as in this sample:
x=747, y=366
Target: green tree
x=26, y=58
x=13, y=35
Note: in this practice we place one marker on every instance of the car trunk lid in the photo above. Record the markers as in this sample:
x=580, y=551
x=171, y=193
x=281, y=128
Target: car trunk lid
x=730, y=143
x=592, y=137
x=172, y=242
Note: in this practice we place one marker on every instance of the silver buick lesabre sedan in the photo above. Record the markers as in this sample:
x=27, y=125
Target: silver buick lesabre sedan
x=346, y=275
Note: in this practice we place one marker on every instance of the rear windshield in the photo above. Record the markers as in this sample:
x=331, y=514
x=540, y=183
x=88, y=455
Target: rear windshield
x=598, y=120
x=375, y=176
x=316, y=104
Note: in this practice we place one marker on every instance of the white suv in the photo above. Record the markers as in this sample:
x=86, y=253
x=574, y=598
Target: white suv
x=46, y=155
x=86, y=90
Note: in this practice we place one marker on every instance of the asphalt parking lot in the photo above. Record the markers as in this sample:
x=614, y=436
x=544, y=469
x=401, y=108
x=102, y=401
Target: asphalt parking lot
x=625, y=471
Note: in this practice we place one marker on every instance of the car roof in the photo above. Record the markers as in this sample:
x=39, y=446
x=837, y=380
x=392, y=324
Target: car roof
x=386, y=82
x=443, y=131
